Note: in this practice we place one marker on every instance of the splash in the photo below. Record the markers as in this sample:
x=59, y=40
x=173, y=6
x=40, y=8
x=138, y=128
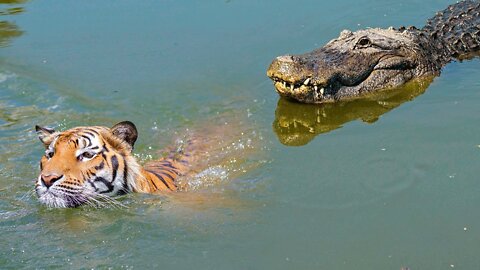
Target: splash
x=218, y=151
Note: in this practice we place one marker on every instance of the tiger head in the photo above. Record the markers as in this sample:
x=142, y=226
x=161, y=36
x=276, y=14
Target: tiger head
x=85, y=165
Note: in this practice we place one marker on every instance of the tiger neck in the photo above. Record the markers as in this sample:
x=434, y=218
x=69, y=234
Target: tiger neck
x=154, y=181
x=155, y=176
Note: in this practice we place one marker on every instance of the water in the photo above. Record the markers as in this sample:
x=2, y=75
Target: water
x=362, y=189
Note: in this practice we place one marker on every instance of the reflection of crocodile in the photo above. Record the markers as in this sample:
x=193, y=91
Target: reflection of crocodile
x=372, y=59
x=297, y=124
x=9, y=30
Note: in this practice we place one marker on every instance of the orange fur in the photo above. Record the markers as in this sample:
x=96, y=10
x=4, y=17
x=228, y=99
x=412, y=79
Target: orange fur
x=84, y=163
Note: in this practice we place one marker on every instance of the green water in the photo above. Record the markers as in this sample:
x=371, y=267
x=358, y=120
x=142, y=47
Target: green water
x=393, y=186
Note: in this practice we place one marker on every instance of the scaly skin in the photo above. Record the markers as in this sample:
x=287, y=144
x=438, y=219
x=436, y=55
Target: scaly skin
x=366, y=61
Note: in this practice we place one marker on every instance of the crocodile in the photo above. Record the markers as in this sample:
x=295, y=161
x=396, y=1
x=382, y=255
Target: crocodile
x=370, y=60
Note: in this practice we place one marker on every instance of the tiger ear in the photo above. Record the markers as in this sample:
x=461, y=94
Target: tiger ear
x=44, y=134
x=126, y=131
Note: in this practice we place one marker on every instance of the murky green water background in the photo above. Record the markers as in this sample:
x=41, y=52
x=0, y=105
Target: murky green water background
x=358, y=193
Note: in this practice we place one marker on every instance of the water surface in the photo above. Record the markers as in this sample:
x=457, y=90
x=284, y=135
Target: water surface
x=395, y=186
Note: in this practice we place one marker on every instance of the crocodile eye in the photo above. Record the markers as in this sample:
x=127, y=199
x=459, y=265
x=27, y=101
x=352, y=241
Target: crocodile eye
x=364, y=42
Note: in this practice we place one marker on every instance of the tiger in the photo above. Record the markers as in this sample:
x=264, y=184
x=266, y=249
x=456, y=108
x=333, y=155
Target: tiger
x=84, y=164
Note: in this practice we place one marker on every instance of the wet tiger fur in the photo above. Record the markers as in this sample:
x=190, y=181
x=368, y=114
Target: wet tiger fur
x=82, y=165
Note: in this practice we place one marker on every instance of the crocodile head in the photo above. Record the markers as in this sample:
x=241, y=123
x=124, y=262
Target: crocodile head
x=353, y=64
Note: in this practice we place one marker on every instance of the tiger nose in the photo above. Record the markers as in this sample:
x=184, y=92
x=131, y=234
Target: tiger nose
x=49, y=179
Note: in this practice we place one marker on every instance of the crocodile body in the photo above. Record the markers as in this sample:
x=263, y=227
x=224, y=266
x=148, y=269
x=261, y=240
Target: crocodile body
x=366, y=61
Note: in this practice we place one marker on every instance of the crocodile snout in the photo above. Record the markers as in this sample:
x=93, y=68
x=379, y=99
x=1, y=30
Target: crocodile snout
x=297, y=77
x=286, y=68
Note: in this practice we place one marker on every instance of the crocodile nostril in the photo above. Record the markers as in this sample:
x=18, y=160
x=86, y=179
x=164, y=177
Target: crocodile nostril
x=285, y=59
x=49, y=179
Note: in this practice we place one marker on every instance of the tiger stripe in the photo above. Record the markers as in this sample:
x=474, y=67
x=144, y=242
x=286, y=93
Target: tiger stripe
x=98, y=160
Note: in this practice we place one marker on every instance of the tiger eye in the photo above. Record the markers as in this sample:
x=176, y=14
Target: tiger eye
x=87, y=155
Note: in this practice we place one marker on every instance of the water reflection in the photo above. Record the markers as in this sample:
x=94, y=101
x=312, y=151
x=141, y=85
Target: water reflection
x=8, y=29
x=297, y=124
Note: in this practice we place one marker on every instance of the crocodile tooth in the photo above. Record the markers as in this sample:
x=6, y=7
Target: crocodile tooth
x=285, y=84
x=306, y=81
x=292, y=86
x=315, y=87
x=322, y=90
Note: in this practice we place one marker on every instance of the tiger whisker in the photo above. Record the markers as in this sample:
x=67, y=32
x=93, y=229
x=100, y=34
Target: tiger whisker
x=92, y=204
x=102, y=200
x=113, y=202
x=95, y=203
x=27, y=194
x=110, y=200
